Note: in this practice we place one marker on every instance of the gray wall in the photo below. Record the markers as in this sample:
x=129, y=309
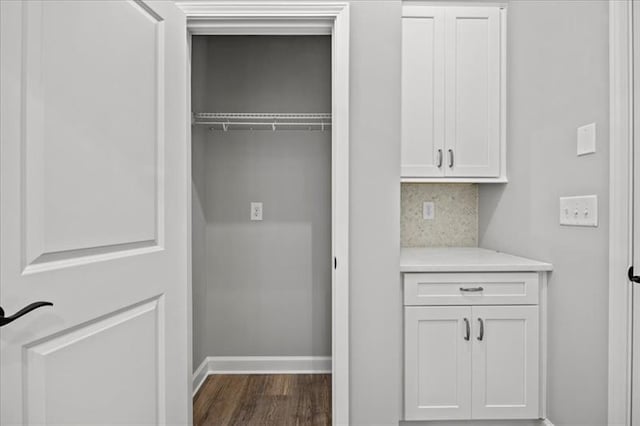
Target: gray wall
x=557, y=81
x=557, y=74
x=262, y=288
x=375, y=294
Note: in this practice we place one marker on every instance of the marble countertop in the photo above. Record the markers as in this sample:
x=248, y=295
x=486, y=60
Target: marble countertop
x=465, y=259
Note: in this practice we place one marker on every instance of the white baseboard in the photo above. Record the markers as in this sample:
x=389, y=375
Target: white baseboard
x=200, y=374
x=546, y=422
x=260, y=365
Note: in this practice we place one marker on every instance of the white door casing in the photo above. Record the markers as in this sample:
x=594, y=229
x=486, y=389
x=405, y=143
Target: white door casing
x=306, y=17
x=635, y=349
x=94, y=195
x=621, y=210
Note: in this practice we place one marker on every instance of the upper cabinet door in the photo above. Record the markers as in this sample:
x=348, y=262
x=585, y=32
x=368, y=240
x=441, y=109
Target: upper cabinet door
x=505, y=362
x=423, y=93
x=473, y=77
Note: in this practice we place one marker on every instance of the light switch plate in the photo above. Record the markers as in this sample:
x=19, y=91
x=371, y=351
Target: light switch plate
x=428, y=210
x=256, y=211
x=587, y=139
x=579, y=211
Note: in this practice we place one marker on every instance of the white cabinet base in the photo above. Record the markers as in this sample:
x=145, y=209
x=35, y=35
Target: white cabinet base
x=473, y=362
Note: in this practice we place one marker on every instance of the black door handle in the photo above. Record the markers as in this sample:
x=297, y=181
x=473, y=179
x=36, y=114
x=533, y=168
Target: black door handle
x=632, y=278
x=35, y=305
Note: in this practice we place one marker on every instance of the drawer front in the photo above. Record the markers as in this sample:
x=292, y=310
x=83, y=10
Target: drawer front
x=471, y=288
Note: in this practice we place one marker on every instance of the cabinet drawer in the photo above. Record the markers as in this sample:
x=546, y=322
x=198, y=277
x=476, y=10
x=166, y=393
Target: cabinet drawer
x=471, y=288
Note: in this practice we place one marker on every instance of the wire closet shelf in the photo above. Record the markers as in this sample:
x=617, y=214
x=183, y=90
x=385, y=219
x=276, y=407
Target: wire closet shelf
x=226, y=121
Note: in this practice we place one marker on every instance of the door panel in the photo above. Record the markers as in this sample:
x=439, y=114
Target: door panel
x=127, y=344
x=423, y=94
x=437, y=363
x=473, y=91
x=505, y=362
x=93, y=127
x=93, y=198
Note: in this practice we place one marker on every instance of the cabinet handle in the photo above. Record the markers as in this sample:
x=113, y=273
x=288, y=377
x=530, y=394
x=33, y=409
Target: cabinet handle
x=468, y=327
x=439, y=158
x=450, y=158
x=481, y=335
x=471, y=289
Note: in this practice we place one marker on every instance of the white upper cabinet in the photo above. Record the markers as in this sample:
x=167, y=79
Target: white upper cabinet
x=453, y=94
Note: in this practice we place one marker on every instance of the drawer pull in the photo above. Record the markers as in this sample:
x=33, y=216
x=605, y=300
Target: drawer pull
x=481, y=335
x=471, y=289
x=468, y=333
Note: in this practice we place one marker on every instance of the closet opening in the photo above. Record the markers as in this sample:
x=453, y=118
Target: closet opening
x=263, y=191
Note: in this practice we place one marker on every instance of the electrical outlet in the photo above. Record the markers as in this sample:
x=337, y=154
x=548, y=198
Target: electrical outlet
x=256, y=211
x=579, y=211
x=428, y=210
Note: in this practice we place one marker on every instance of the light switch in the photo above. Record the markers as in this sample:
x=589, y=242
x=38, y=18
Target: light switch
x=428, y=210
x=587, y=139
x=256, y=211
x=579, y=211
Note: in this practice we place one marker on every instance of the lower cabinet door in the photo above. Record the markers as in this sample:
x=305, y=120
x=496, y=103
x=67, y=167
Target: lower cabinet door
x=505, y=362
x=438, y=362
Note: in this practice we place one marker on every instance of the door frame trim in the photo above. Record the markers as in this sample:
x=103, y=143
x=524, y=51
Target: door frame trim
x=621, y=213
x=240, y=17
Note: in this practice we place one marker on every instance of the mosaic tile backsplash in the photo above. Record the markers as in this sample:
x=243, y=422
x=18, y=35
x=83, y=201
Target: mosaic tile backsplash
x=455, y=222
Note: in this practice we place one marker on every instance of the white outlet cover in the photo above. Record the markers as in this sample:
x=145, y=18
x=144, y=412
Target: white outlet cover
x=587, y=139
x=256, y=211
x=579, y=211
x=428, y=210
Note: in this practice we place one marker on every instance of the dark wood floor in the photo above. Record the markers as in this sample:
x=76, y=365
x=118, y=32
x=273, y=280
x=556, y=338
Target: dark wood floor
x=263, y=399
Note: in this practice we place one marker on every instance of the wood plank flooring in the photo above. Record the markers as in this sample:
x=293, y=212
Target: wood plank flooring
x=263, y=399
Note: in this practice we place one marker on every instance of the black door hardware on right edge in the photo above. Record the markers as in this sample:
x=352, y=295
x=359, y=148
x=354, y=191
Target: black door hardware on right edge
x=35, y=305
x=632, y=278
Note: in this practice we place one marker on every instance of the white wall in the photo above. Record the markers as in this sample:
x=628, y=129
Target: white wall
x=557, y=81
x=262, y=288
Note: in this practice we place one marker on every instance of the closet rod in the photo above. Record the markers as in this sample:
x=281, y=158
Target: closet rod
x=270, y=120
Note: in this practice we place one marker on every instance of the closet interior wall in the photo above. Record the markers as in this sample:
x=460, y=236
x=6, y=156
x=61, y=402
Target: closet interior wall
x=261, y=288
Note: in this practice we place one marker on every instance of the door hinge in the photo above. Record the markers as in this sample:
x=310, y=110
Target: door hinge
x=335, y=263
x=632, y=278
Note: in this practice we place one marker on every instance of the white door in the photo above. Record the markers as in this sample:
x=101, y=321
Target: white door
x=423, y=94
x=472, y=130
x=505, y=362
x=437, y=363
x=94, y=213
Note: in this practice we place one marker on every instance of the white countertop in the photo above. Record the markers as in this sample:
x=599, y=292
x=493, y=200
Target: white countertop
x=465, y=259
